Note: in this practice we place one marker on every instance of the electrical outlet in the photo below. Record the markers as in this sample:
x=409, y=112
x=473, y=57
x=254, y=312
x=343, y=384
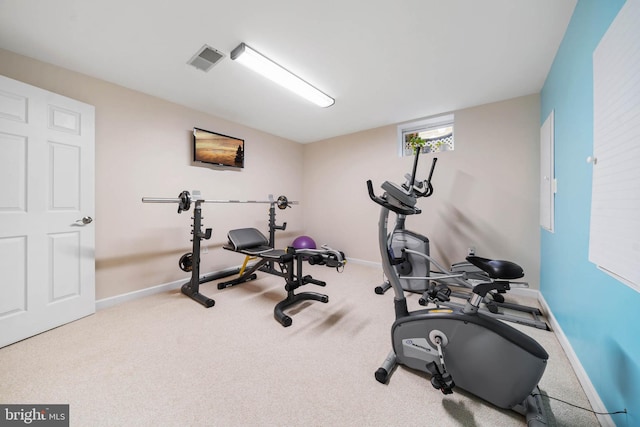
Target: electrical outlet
x=204, y=250
x=471, y=250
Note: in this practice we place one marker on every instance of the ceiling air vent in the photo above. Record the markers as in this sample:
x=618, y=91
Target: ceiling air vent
x=206, y=58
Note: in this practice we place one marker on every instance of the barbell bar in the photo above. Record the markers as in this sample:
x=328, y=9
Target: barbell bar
x=184, y=200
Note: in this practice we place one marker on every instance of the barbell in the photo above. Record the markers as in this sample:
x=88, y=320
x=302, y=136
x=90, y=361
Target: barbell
x=185, y=199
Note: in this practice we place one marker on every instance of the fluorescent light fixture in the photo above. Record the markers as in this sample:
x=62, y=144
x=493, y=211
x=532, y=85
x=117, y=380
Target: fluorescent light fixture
x=263, y=65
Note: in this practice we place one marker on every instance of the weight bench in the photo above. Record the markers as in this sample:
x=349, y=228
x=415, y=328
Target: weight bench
x=253, y=244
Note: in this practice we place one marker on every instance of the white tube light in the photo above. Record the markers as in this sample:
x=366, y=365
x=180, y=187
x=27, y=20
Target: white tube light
x=274, y=72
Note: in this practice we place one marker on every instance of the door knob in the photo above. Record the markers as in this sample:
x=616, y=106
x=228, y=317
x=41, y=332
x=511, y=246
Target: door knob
x=86, y=220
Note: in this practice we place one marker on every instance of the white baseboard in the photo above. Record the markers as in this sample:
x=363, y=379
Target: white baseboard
x=119, y=299
x=364, y=262
x=583, y=378
x=525, y=292
x=166, y=287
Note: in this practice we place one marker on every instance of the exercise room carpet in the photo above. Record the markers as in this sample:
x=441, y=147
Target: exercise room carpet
x=165, y=360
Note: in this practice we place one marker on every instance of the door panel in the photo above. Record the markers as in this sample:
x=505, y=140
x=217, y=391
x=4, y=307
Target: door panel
x=13, y=163
x=65, y=266
x=13, y=106
x=47, y=261
x=65, y=177
x=13, y=298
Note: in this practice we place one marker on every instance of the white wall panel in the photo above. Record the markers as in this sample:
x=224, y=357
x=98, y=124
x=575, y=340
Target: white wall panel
x=547, y=175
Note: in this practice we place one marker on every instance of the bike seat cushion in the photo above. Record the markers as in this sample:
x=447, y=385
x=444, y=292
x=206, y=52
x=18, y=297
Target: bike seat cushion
x=497, y=269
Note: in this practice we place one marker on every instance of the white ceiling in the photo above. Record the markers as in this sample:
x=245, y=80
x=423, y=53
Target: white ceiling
x=384, y=61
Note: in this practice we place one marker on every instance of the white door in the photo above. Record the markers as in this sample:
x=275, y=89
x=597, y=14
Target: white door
x=47, y=261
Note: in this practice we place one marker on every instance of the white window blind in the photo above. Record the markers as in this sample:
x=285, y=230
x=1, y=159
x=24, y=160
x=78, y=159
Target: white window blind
x=614, y=242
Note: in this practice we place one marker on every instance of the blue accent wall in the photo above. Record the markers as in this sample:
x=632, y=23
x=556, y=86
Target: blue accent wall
x=599, y=315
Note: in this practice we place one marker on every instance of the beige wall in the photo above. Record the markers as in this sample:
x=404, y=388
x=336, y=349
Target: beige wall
x=486, y=191
x=143, y=148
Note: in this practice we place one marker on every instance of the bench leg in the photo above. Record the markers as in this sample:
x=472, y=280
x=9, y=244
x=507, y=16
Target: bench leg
x=278, y=311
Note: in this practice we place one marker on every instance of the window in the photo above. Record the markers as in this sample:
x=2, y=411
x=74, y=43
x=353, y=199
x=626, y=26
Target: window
x=436, y=131
x=614, y=240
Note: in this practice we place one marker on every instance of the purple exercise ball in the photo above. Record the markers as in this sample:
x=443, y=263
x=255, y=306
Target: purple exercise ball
x=304, y=242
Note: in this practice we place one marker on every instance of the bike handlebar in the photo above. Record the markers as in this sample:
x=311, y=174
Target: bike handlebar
x=412, y=187
x=406, y=210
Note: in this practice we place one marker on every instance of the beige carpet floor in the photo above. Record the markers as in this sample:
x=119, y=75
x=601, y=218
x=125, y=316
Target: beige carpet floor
x=165, y=360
